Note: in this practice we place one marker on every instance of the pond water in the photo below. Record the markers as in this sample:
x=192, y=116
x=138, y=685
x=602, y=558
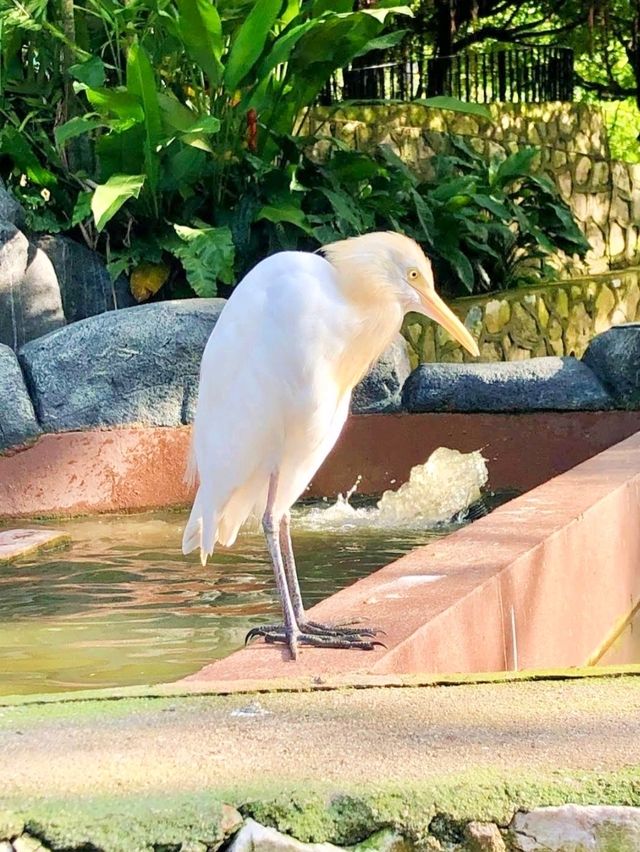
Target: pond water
x=124, y=606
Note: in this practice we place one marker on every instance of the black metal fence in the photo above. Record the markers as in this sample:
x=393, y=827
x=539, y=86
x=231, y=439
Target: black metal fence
x=523, y=74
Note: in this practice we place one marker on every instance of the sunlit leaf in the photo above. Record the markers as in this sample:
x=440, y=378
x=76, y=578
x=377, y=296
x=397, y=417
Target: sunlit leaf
x=286, y=213
x=117, y=102
x=207, y=255
x=109, y=197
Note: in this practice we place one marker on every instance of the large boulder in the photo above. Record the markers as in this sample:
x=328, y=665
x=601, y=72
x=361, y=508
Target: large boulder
x=574, y=828
x=539, y=384
x=30, y=303
x=380, y=389
x=86, y=287
x=138, y=365
x=614, y=356
x=18, y=424
x=10, y=208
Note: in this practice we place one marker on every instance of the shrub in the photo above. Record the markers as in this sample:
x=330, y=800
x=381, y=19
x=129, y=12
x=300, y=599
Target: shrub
x=486, y=225
x=161, y=110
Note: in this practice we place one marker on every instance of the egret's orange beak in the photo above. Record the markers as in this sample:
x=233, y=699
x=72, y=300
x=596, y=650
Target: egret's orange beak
x=435, y=309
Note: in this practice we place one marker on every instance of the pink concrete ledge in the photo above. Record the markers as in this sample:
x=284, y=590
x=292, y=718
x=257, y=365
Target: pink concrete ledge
x=539, y=583
x=132, y=469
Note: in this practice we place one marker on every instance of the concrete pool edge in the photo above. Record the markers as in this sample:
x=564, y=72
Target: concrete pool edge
x=138, y=468
x=209, y=688
x=496, y=595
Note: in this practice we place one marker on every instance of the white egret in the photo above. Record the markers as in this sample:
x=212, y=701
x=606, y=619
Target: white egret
x=296, y=336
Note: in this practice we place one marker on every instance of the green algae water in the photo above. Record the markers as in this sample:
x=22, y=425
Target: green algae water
x=123, y=606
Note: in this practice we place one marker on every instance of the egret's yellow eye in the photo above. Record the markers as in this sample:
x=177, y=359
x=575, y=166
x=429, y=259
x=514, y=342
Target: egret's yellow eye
x=413, y=275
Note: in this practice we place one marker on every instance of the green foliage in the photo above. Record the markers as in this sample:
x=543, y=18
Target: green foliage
x=207, y=255
x=166, y=132
x=622, y=120
x=486, y=225
x=157, y=107
x=110, y=196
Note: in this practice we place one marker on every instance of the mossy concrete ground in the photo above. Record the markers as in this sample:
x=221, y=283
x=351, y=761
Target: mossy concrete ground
x=329, y=765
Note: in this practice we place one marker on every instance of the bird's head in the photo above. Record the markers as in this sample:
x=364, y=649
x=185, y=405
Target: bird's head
x=395, y=266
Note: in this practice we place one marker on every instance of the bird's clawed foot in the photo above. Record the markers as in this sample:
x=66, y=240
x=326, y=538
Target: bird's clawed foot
x=317, y=635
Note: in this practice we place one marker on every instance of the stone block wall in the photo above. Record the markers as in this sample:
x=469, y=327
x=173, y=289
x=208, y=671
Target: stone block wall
x=558, y=319
x=603, y=194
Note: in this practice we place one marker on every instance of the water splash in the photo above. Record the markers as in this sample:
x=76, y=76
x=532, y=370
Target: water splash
x=436, y=491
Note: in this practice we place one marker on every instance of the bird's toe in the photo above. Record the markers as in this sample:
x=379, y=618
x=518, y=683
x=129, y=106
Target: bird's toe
x=342, y=629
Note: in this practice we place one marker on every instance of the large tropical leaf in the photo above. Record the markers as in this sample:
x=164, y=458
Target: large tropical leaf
x=141, y=83
x=384, y=42
x=92, y=72
x=516, y=165
x=76, y=127
x=201, y=32
x=121, y=152
x=119, y=102
x=456, y=105
x=249, y=42
x=284, y=212
x=462, y=267
x=109, y=197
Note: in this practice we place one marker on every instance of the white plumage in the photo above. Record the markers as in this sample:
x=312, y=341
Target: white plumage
x=298, y=333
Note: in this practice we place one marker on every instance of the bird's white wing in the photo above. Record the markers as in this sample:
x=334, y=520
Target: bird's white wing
x=267, y=400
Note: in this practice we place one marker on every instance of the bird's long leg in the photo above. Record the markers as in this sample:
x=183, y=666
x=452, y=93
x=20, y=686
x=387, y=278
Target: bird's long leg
x=271, y=528
x=291, y=574
x=291, y=632
x=311, y=627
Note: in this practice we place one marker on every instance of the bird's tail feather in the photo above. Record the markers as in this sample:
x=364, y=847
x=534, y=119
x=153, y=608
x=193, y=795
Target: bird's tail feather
x=214, y=520
x=200, y=531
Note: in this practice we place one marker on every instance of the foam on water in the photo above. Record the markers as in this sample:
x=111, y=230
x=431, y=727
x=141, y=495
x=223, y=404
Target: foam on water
x=436, y=491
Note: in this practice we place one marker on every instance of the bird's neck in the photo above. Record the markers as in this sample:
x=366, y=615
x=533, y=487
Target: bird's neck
x=372, y=327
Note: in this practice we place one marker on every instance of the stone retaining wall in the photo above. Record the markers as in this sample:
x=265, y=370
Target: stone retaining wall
x=558, y=319
x=603, y=194
x=566, y=828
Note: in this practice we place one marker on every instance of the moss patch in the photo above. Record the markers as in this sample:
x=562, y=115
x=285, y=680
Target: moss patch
x=436, y=811
x=428, y=816
x=131, y=824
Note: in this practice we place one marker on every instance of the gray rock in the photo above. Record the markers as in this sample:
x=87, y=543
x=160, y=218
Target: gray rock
x=380, y=389
x=30, y=303
x=10, y=208
x=484, y=837
x=539, y=384
x=18, y=424
x=254, y=837
x=614, y=356
x=85, y=285
x=26, y=843
x=577, y=828
x=138, y=365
